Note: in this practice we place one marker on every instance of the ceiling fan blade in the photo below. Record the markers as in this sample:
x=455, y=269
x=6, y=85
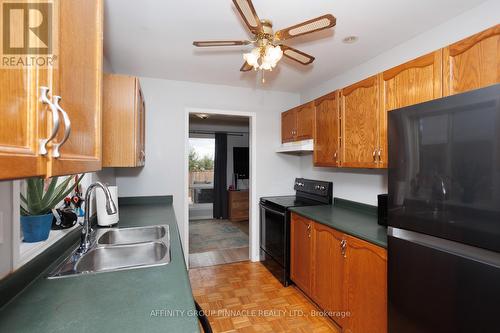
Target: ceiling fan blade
x=307, y=27
x=246, y=67
x=220, y=43
x=247, y=12
x=299, y=56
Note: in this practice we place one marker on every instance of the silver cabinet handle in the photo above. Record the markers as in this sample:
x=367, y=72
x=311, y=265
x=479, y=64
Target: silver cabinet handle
x=335, y=155
x=343, y=246
x=143, y=156
x=379, y=154
x=67, y=127
x=55, y=120
x=374, y=155
x=309, y=230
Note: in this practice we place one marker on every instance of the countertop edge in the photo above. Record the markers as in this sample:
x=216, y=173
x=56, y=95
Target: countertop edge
x=333, y=225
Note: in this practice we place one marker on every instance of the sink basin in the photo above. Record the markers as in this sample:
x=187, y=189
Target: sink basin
x=132, y=235
x=119, y=249
x=120, y=257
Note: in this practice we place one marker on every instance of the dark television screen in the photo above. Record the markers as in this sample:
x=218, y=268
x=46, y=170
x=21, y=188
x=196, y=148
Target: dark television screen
x=240, y=162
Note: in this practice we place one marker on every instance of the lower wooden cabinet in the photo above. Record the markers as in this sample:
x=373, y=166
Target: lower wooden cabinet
x=365, y=286
x=238, y=205
x=342, y=274
x=300, y=252
x=328, y=275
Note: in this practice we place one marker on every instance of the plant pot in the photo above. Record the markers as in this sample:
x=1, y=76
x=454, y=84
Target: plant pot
x=36, y=228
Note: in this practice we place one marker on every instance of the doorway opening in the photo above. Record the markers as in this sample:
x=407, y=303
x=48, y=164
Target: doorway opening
x=218, y=189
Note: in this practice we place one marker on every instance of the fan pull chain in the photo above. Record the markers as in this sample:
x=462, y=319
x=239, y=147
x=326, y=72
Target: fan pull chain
x=263, y=77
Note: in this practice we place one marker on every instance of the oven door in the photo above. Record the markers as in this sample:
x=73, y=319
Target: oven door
x=273, y=231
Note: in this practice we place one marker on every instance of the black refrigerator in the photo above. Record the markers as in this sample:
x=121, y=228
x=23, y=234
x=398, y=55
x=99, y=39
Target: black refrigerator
x=444, y=215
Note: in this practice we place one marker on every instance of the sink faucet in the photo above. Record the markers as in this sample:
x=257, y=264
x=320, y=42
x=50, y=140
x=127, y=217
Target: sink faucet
x=86, y=239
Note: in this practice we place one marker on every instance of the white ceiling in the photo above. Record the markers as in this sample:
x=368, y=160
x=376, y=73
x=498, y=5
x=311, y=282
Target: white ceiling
x=153, y=38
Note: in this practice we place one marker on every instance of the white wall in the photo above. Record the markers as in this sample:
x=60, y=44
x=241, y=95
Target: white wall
x=166, y=103
x=363, y=186
x=6, y=211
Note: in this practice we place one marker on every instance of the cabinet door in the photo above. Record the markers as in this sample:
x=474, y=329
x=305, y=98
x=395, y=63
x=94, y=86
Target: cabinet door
x=360, y=115
x=21, y=113
x=327, y=131
x=288, y=125
x=328, y=276
x=78, y=80
x=305, y=122
x=414, y=82
x=472, y=63
x=300, y=251
x=366, y=287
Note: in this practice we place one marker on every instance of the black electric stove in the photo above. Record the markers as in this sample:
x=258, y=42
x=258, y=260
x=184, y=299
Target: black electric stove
x=275, y=223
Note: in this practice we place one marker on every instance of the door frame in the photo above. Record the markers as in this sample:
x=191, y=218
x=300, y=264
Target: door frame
x=253, y=217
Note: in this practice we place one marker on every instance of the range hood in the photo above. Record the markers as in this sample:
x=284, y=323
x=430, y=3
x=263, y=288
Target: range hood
x=297, y=147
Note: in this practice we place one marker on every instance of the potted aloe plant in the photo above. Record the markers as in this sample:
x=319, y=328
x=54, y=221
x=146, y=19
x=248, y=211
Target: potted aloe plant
x=42, y=195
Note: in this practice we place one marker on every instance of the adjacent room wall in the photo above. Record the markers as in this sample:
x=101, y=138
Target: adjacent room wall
x=364, y=185
x=166, y=104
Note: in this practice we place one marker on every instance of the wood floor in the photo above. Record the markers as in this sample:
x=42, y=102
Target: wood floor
x=218, y=257
x=245, y=297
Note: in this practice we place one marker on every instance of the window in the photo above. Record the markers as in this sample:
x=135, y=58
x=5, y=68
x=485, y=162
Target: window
x=201, y=176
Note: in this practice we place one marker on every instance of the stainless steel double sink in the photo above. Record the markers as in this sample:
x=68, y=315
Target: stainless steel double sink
x=119, y=249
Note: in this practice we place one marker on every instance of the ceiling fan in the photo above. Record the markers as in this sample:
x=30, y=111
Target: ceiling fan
x=269, y=47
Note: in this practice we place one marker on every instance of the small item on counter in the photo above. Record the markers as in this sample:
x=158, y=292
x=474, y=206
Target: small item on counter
x=67, y=202
x=64, y=218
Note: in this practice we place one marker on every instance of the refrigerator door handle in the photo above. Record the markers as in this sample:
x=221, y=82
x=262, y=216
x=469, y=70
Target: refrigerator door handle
x=465, y=251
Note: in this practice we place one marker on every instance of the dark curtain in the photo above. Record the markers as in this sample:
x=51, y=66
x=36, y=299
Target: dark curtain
x=220, y=177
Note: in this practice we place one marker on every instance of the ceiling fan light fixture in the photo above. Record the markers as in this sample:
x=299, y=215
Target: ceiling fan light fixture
x=264, y=57
x=272, y=55
x=252, y=58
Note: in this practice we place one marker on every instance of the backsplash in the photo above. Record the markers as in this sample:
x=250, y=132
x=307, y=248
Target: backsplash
x=352, y=184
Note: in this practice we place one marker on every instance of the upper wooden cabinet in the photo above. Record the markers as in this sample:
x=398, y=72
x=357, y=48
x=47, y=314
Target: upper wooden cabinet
x=20, y=113
x=472, y=63
x=327, y=131
x=360, y=109
x=417, y=81
x=123, y=122
x=298, y=123
x=305, y=122
x=72, y=82
x=78, y=80
x=469, y=64
x=288, y=123
x=300, y=252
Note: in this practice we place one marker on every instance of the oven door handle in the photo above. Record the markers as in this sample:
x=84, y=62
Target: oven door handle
x=272, y=210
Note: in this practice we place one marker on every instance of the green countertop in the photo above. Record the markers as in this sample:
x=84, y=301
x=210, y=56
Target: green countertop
x=156, y=299
x=352, y=218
